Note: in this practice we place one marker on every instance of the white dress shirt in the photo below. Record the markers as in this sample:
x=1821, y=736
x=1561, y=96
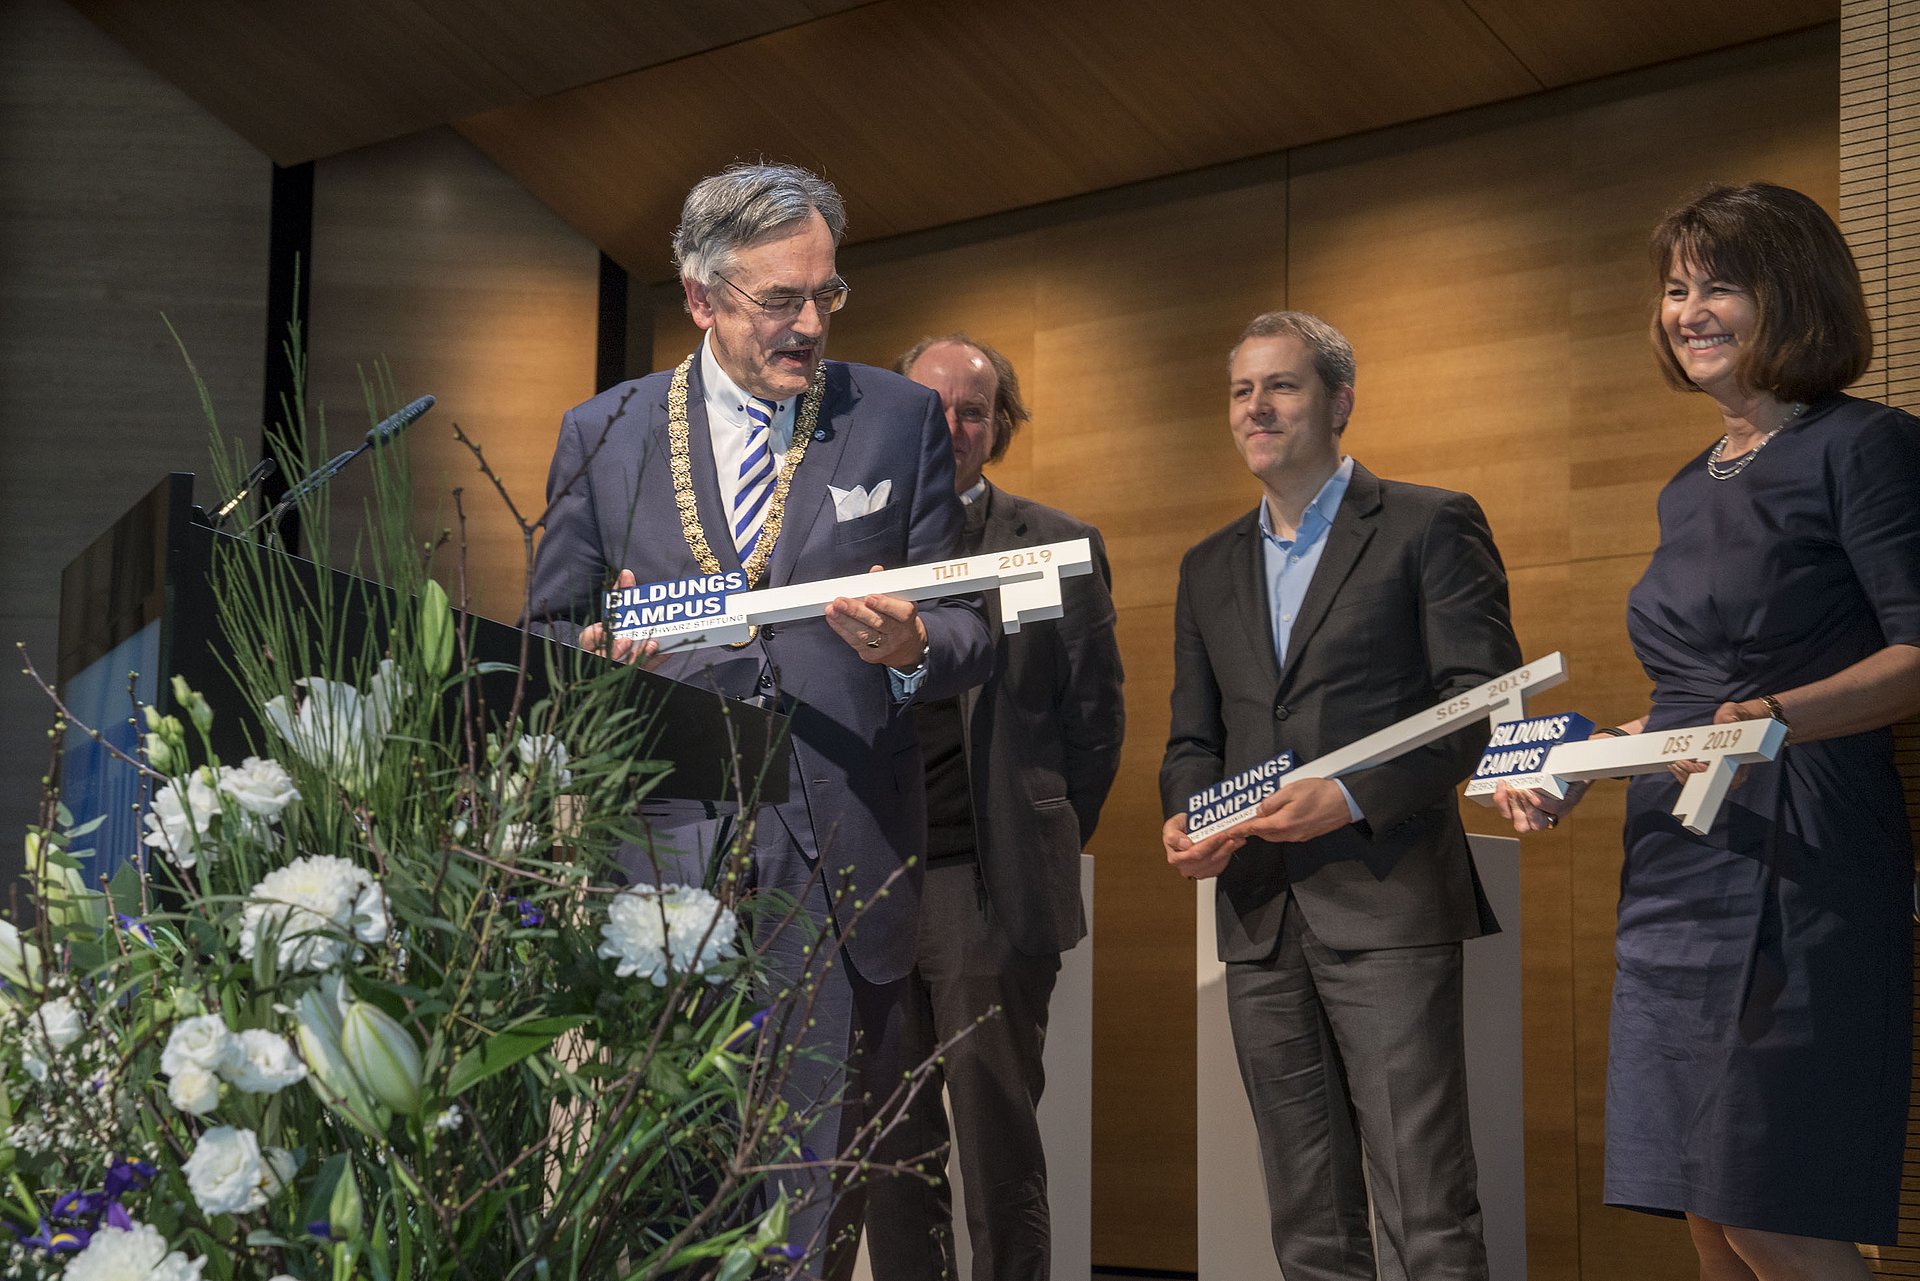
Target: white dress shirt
x=727, y=424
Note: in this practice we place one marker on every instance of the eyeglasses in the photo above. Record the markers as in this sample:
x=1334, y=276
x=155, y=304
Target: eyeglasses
x=788, y=306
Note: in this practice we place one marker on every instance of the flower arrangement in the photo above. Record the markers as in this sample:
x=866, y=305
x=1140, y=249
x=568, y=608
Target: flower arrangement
x=373, y=1001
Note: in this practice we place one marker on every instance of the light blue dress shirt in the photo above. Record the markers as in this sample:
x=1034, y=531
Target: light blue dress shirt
x=1290, y=563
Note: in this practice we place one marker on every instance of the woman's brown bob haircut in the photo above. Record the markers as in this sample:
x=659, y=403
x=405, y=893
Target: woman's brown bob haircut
x=1009, y=407
x=1813, y=335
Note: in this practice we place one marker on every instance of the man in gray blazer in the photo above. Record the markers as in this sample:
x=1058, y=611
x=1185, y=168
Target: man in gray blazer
x=758, y=456
x=1342, y=604
x=1017, y=770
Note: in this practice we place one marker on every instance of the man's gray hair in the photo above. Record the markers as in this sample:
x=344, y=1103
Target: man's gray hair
x=1332, y=353
x=741, y=204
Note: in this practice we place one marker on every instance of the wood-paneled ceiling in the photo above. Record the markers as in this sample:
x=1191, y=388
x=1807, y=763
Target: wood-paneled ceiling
x=924, y=112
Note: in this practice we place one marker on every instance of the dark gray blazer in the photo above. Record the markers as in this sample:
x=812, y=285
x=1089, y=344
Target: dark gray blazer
x=1043, y=736
x=857, y=791
x=1407, y=607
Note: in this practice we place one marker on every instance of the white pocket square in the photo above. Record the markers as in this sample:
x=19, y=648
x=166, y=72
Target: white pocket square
x=849, y=503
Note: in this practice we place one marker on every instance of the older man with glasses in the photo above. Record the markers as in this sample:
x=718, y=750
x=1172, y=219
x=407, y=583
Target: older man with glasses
x=756, y=455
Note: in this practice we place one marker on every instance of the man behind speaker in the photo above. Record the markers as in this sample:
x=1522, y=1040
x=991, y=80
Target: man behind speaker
x=759, y=456
x=1341, y=605
x=1017, y=770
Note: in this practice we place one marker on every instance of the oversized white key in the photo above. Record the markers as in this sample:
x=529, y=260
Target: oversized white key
x=1028, y=579
x=1725, y=748
x=1501, y=699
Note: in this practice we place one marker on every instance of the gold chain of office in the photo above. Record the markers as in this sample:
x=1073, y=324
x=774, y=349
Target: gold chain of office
x=682, y=463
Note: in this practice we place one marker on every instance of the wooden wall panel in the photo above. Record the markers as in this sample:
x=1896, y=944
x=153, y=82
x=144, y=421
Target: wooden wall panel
x=120, y=200
x=1490, y=269
x=1879, y=109
x=427, y=256
x=1634, y=433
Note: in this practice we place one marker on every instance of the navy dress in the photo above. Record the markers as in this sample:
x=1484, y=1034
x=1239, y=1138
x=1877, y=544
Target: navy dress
x=1759, y=1056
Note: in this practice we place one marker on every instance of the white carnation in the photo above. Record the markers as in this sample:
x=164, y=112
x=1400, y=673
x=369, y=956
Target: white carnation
x=337, y=728
x=194, y=1091
x=264, y=1064
x=138, y=1253
x=202, y=1042
x=177, y=824
x=317, y=908
x=227, y=1173
x=60, y=1023
x=673, y=928
x=258, y=785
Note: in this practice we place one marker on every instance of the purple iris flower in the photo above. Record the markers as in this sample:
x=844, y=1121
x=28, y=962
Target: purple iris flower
x=746, y=1031
x=135, y=926
x=788, y=1251
x=77, y=1205
x=531, y=917
x=76, y=1216
x=320, y=1228
x=58, y=1240
x=126, y=1174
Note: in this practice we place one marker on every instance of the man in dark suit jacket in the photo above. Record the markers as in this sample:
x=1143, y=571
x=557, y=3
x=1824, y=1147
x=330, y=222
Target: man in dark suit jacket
x=1017, y=771
x=757, y=455
x=1343, y=604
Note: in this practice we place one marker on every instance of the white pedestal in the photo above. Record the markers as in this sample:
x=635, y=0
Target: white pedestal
x=1066, y=1117
x=1235, y=1244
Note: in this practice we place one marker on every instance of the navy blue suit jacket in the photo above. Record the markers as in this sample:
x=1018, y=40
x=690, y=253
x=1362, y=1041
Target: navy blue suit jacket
x=857, y=793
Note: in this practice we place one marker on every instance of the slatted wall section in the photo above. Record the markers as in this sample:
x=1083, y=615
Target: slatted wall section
x=1879, y=201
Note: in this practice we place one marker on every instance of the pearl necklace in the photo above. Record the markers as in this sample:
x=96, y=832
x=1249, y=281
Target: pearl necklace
x=1727, y=471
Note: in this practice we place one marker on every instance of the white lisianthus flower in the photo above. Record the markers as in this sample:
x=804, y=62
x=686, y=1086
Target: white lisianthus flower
x=138, y=1253
x=337, y=728
x=201, y=1042
x=259, y=785
x=316, y=909
x=59, y=1022
x=264, y=1063
x=35, y=1065
x=545, y=754
x=194, y=1091
x=227, y=1173
x=178, y=824
x=654, y=931
x=449, y=1119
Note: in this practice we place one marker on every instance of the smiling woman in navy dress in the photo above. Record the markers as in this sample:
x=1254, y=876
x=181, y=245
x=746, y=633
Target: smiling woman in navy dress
x=1758, y=1059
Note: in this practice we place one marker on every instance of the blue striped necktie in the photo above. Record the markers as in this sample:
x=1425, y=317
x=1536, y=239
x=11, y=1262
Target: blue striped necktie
x=755, y=483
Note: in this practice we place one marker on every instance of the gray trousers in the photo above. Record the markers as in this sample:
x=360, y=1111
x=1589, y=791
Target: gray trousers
x=969, y=982
x=1355, y=1064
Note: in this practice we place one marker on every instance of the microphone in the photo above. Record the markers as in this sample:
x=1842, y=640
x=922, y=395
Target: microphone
x=395, y=423
x=379, y=434
x=261, y=470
